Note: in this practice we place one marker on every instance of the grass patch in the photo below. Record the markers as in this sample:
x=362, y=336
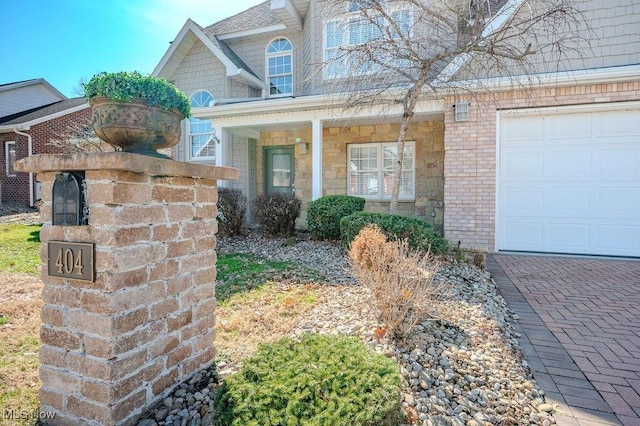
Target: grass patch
x=260, y=315
x=240, y=272
x=19, y=248
x=19, y=343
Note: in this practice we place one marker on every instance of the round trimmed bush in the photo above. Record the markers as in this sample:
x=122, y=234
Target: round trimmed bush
x=324, y=214
x=418, y=233
x=320, y=380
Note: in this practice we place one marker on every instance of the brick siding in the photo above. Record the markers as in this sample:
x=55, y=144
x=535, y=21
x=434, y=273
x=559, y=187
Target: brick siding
x=470, y=154
x=15, y=189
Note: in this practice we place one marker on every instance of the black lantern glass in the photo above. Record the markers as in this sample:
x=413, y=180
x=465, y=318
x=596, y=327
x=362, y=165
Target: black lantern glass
x=68, y=200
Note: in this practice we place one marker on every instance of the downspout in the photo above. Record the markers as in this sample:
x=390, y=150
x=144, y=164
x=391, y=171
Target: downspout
x=29, y=154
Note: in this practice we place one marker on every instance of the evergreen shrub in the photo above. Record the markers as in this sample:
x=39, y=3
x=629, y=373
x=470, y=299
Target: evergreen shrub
x=418, y=233
x=324, y=214
x=320, y=380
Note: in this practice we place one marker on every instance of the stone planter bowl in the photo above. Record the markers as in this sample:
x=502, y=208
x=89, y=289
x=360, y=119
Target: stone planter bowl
x=135, y=127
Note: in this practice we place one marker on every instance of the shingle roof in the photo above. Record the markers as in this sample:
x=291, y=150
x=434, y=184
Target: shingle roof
x=255, y=17
x=43, y=111
x=18, y=82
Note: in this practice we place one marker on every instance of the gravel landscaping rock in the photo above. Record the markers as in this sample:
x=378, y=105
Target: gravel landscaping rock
x=463, y=368
x=17, y=213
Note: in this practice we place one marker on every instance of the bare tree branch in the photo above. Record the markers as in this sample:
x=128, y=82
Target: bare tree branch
x=404, y=49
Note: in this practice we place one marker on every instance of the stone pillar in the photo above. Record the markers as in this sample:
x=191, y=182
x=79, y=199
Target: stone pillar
x=113, y=347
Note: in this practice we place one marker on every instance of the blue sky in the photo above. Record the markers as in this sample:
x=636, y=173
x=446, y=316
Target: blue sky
x=64, y=41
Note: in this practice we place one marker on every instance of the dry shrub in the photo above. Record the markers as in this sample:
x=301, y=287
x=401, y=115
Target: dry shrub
x=400, y=279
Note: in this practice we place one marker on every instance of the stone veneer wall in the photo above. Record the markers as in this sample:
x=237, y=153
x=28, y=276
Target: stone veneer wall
x=429, y=139
x=111, y=348
x=470, y=160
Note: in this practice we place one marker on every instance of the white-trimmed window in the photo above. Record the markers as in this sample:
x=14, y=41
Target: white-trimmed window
x=10, y=157
x=202, y=138
x=342, y=35
x=371, y=169
x=280, y=67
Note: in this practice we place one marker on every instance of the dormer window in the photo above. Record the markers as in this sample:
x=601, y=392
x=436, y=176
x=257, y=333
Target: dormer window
x=279, y=67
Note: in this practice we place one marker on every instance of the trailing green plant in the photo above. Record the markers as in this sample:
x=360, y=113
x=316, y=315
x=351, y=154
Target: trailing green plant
x=418, y=233
x=232, y=207
x=400, y=279
x=324, y=214
x=134, y=86
x=320, y=380
x=277, y=213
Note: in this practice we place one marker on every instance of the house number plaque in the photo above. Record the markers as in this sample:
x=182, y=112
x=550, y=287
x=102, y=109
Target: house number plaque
x=70, y=260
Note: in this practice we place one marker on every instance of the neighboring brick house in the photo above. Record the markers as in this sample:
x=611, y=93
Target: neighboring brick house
x=519, y=173
x=32, y=114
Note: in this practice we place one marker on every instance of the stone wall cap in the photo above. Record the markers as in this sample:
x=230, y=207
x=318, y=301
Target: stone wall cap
x=124, y=161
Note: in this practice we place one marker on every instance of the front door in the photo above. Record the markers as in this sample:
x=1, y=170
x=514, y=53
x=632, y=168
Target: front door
x=280, y=170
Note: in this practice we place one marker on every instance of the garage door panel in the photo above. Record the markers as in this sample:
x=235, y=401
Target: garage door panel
x=563, y=127
x=523, y=233
x=532, y=129
x=524, y=200
x=564, y=236
x=619, y=123
x=569, y=165
x=523, y=164
x=576, y=191
x=569, y=200
x=618, y=164
x=623, y=202
x=618, y=238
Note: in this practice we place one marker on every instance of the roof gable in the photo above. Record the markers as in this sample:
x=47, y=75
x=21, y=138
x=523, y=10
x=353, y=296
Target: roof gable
x=24, y=95
x=23, y=120
x=188, y=35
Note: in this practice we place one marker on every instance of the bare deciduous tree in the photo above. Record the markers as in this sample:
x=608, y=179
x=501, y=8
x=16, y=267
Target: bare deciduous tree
x=78, y=138
x=404, y=49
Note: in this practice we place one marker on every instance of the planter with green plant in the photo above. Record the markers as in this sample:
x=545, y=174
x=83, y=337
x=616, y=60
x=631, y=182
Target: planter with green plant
x=135, y=112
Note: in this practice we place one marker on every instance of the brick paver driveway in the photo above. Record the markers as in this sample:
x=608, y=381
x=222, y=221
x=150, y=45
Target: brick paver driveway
x=580, y=319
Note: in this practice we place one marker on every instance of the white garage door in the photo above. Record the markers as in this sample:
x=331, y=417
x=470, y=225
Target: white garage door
x=569, y=182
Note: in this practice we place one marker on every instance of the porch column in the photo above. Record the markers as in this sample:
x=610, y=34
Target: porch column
x=316, y=159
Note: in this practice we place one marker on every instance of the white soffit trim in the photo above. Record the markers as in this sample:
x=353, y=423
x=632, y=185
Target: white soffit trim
x=494, y=24
x=547, y=80
x=27, y=125
x=252, y=32
x=287, y=13
x=261, y=112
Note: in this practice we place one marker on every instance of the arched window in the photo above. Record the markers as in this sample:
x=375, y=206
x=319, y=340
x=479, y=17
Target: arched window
x=201, y=99
x=280, y=67
x=202, y=137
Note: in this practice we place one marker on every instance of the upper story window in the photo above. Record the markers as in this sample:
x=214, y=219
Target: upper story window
x=10, y=157
x=357, y=5
x=279, y=67
x=202, y=138
x=343, y=36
